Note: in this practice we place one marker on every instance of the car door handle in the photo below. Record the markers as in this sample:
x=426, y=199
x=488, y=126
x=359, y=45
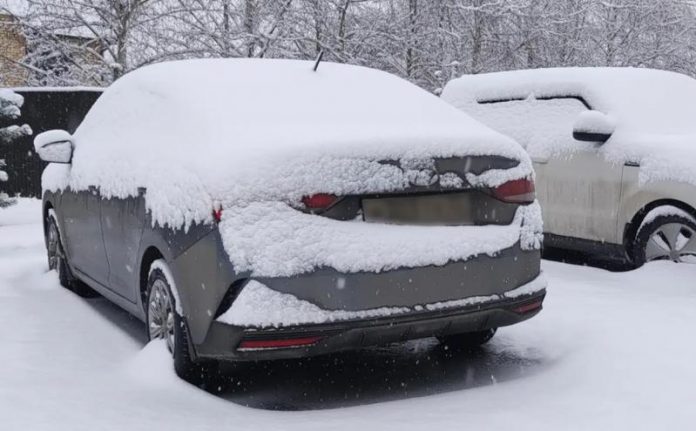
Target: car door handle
x=540, y=160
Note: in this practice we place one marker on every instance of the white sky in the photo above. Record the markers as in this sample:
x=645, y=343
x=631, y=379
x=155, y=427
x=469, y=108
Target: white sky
x=16, y=7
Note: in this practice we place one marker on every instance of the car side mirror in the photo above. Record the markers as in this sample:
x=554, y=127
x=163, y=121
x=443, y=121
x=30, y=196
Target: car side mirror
x=593, y=126
x=54, y=146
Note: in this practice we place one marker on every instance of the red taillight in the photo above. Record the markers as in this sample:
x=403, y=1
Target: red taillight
x=217, y=214
x=517, y=191
x=278, y=344
x=319, y=201
x=526, y=308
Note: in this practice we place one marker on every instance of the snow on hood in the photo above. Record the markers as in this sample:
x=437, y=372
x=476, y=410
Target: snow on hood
x=237, y=131
x=654, y=110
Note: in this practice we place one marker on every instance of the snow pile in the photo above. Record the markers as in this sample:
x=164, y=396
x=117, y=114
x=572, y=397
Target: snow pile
x=10, y=104
x=271, y=239
x=262, y=307
x=10, y=109
x=198, y=132
x=654, y=113
x=26, y=211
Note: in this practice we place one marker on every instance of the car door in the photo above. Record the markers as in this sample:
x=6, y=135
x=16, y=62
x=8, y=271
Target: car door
x=81, y=213
x=583, y=194
x=578, y=190
x=581, y=190
x=122, y=224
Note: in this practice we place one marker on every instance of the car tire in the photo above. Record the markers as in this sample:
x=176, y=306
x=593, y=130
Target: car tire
x=467, y=340
x=667, y=237
x=58, y=261
x=164, y=322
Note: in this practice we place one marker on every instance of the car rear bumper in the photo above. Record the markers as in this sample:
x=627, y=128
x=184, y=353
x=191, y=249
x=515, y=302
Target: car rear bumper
x=479, y=276
x=226, y=342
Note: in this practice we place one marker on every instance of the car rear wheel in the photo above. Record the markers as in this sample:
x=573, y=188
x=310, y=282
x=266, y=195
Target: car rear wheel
x=668, y=237
x=467, y=340
x=57, y=261
x=165, y=323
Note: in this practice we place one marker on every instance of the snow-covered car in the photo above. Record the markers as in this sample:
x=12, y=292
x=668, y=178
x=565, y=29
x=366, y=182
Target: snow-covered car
x=257, y=209
x=614, y=151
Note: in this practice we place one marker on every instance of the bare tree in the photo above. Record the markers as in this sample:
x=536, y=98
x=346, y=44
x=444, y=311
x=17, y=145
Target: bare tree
x=425, y=41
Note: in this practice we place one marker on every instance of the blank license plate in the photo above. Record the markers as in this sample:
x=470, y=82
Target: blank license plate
x=437, y=209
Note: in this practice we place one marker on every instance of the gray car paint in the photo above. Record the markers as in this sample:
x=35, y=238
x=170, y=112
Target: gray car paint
x=108, y=240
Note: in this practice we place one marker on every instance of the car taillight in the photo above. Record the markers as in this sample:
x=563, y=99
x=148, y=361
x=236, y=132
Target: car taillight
x=217, y=214
x=278, y=343
x=528, y=308
x=516, y=191
x=319, y=201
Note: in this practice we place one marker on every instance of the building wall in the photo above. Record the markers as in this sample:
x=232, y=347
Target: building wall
x=12, y=49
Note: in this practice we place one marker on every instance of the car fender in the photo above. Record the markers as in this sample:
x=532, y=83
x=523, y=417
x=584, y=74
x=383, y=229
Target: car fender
x=637, y=197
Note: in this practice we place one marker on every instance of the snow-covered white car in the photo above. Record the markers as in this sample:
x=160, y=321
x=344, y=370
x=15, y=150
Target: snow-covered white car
x=257, y=209
x=614, y=151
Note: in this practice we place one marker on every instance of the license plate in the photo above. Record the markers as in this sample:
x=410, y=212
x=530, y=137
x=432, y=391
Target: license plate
x=449, y=209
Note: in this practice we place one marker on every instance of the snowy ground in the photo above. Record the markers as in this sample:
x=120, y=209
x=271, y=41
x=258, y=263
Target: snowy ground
x=610, y=351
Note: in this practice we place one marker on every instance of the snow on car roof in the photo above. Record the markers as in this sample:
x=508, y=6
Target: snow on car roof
x=654, y=112
x=241, y=130
x=276, y=104
x=642, y=100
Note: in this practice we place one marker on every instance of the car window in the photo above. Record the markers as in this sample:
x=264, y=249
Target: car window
x=543, y=126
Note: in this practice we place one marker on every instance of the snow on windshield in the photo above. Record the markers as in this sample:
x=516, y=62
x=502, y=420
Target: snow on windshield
x=643, y=100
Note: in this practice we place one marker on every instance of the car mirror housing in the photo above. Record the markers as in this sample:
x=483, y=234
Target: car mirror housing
x=54, y=146
x=593, y=126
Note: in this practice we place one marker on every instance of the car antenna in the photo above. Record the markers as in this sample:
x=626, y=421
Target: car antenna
x=319, y=57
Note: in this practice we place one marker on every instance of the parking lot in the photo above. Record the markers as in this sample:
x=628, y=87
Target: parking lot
x=610, y=350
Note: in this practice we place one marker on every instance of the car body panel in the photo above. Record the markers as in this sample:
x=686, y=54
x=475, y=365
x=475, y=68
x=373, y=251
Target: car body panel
x=405, y=287
x=122, y=226
x=580, y=196
x=637, y=196
x=222, y=340
x=80, y=214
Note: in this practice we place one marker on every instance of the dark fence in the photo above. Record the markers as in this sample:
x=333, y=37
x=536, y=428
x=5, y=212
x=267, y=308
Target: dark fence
x=44, y=109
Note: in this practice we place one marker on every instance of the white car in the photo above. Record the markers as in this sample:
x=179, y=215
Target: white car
x=614, y=151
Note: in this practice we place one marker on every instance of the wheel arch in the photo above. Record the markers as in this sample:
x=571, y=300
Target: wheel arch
x=150, y=255
x=631, y=229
